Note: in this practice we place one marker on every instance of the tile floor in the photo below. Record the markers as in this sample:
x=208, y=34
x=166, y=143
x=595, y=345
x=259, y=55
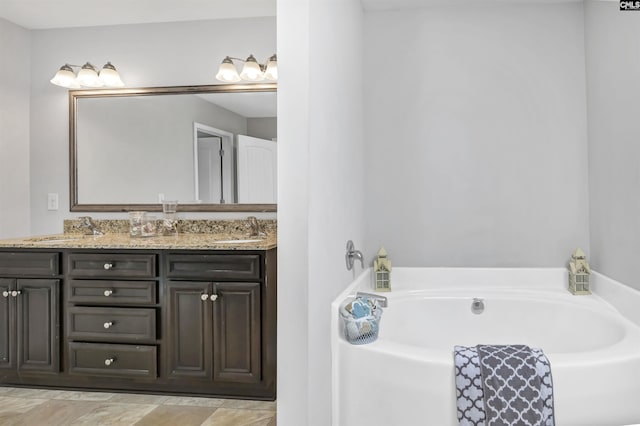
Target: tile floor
x=35, y=407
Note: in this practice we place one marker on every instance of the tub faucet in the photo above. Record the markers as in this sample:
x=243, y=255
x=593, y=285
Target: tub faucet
x=90, y=227
x=255, y=230
x=351, y=256
x=382, y=300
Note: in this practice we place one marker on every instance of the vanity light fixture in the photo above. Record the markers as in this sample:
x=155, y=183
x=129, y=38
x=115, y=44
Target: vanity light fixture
x=88, y=76
x=251, y=71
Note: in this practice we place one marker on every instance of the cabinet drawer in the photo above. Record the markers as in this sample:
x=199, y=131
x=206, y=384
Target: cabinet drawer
x=113, y=360
x=213, y=266
x=111, y=324
x=29, y=264
x=110, y=292
x=111, y=265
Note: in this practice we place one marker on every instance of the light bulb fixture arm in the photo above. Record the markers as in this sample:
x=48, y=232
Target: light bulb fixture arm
x=251, y=58
x=79, y=66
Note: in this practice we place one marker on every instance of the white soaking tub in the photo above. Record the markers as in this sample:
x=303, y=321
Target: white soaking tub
x=406, y=377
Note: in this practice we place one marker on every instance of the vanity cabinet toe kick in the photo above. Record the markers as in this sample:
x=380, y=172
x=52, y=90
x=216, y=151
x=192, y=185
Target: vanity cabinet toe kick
x=177, y=321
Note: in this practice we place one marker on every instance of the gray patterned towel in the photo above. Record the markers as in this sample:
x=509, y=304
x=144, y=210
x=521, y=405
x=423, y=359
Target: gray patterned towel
x=503, y=385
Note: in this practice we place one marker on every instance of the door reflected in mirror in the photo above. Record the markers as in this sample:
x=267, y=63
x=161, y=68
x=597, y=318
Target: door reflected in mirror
x=214, y=165
x=212, y=148
x=227, y=170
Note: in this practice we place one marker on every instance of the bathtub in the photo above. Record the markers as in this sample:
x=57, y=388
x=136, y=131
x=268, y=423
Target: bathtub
x=406, y=377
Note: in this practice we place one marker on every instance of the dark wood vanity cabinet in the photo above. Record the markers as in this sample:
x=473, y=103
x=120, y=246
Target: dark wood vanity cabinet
x=220, y=321
x=29, y=314
x=176, y=321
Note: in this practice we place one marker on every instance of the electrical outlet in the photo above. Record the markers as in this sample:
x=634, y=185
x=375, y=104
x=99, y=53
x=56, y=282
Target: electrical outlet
x=52, y=201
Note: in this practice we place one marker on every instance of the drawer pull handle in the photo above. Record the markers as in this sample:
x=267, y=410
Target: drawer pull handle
x=108, y=265
x=15, y=293
x=213, y=297
x=5, y=293
x=108, y=293
x=109, y=361
x=108, y=324
x=204, y=296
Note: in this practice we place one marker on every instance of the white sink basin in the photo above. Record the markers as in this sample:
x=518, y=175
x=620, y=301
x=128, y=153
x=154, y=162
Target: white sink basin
x=62, y=240
x=237, y=241
x=52, y=239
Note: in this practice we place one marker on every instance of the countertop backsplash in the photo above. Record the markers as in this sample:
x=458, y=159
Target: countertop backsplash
x=185, y=226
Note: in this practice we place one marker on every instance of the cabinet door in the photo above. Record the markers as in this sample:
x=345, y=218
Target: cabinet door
x=7, y=326
x=189, y=330
x=38, y=325
x=237, y=331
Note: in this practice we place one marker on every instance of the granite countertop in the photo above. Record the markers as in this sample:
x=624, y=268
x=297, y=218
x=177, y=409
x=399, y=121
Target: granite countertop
x=186, y=241
x=192, y=235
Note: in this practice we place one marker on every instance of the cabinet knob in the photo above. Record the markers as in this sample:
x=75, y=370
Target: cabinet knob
x=213, y=297
x=15, y=293
x=204, y=296
x=108, y=293
x=108, y=324
x=109, y=361
x=108, y=265
x=5, y=293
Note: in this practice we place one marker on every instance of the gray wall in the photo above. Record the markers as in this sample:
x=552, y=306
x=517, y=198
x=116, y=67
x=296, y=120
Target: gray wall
x=475, y=125
x=613, y=85
x=15, y=44
x=184, y=53
x=265, y=128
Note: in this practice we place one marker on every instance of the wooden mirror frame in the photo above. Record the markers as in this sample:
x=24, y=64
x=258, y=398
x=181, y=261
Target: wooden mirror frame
x=75, y=95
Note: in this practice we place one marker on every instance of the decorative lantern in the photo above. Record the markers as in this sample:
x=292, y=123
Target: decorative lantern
x=382, y=271
x=579, y=272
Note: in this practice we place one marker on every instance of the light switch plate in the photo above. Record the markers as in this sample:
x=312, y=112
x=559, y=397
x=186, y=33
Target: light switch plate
x=52, y=201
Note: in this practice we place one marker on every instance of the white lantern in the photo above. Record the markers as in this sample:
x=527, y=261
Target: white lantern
x=382, y=271
x=579, y=273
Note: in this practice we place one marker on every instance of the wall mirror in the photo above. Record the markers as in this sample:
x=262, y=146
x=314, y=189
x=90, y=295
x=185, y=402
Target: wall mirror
x=212, y=148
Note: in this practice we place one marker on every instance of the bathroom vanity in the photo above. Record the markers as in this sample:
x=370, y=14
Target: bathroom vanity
x=185, y=314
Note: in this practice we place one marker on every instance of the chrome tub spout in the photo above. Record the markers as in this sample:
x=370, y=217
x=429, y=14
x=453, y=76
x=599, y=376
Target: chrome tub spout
x=382, y=300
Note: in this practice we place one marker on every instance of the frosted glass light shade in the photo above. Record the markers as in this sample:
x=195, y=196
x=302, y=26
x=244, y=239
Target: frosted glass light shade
x=271, y=73
x=110, y=76
x=65, y=77
x=88, y=76
x=227, y=71
x=251, y=70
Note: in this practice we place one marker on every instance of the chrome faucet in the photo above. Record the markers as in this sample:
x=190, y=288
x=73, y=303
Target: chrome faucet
x=353, y=254
x=91, y=227
x=255, y=230
x=382, y=300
